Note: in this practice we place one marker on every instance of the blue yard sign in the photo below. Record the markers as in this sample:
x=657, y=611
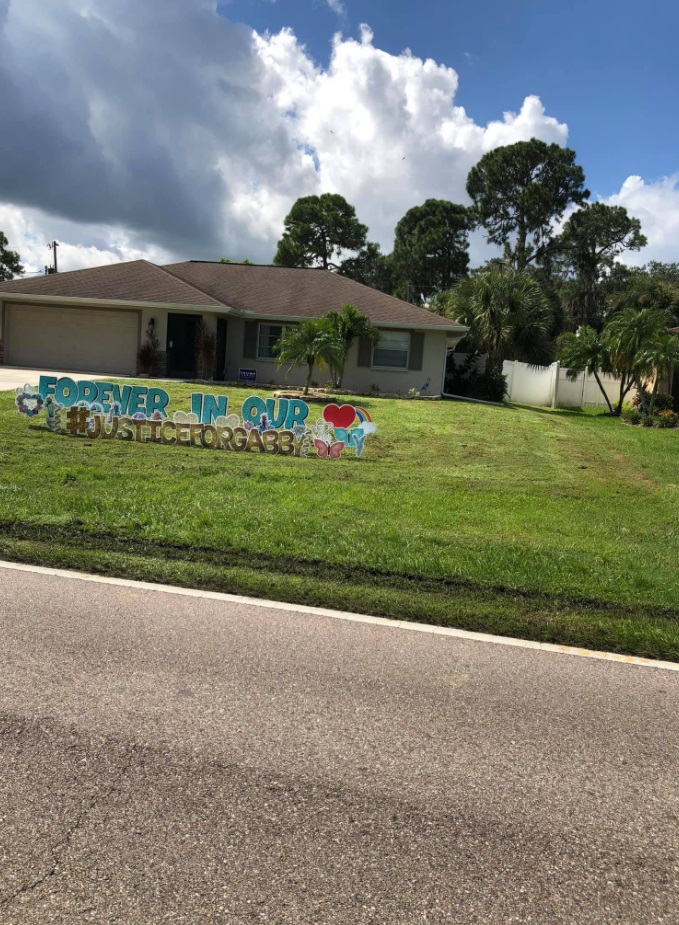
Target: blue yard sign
x=140, y=414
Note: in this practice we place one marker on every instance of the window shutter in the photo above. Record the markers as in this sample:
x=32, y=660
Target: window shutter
x=365, y=351
x=416, y=350
x=250, y=341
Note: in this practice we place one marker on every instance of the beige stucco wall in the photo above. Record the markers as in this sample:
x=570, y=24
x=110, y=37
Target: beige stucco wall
x=356, y=377
x=361, y=378
x=267, y=370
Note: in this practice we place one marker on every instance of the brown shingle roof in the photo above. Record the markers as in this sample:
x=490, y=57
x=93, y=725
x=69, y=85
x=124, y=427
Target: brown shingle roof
x=297, y=293
x=256, y=290
x=136, y=281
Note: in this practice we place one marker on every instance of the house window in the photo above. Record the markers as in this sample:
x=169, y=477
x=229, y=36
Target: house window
x=267, y=337
x=391, y=351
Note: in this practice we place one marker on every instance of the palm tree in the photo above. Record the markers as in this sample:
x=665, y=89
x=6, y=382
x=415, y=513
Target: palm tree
x=508, y=316
x=347, y=325
x=311, y=343
x=660, y=358
x=585, y=352
x=631, y=339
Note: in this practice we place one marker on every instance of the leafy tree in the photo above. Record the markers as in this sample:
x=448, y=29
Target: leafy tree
x=431, y=249
x=592, y=239
x=370, y=267
x=9, y=261
x=442, y=303
x=317, y=230
x=310, y=343
x=639, y=288
x=596, y=234
x=635, y=341
x=346, y=326
x=519, y=191
x=548, y=275
x=585, y=352
x=664, y=272
x=245, y=262
x=659, y=358
x=508, y=316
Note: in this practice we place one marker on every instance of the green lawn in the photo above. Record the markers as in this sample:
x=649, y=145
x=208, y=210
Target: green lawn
x=558, y=526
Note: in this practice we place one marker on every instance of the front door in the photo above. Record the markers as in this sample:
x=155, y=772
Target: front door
x=181, y=345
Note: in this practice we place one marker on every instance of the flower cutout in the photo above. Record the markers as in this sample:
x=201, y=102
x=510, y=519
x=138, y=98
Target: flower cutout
x=321, y=430
x=29, y=401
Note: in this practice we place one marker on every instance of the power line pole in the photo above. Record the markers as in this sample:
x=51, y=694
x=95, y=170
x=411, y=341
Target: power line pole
x=53, y=247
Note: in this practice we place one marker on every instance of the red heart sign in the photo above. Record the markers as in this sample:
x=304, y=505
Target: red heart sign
x=339, y=417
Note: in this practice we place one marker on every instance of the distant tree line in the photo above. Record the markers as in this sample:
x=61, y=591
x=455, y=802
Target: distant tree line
x=558, y=271
x=559, y=267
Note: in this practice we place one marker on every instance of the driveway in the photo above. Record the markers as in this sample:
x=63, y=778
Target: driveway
x=11, y=377
x=175, y=758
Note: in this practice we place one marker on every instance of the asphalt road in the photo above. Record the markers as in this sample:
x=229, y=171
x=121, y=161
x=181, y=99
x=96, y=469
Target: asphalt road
x=167, y=759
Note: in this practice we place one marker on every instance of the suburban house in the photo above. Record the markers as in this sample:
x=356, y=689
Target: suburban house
x=95, y=320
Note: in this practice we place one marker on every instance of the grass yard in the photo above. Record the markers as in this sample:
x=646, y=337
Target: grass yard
x=555, y=526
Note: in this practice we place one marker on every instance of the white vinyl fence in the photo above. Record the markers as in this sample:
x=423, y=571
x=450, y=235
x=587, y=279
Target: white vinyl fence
x=550, y=387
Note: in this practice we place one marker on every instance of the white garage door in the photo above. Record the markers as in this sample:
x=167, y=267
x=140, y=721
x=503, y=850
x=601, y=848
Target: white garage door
x=78, y=339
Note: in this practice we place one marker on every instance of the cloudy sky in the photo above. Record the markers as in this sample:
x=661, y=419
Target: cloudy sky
x=174, y=129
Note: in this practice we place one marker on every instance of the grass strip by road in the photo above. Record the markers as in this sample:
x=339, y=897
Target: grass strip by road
x=558, y=527
x=503, y=612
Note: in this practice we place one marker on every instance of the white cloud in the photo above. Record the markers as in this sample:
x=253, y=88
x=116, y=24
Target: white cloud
x=385, y=128
x=337, y=6
x=656, y=205
x=119, y=146
x=80, y=246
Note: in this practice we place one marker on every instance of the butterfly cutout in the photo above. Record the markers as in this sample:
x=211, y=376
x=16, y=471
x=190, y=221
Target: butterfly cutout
x=354, y=437
x=329, y=452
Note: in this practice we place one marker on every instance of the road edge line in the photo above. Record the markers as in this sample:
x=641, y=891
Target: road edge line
x=342, y=615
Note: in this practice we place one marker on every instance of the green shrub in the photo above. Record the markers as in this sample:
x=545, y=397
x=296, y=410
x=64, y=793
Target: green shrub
x=667, y=418
x=148, y=356
x=647, y=420
x=631, y=415
x=489, y=385
x=205, y=351
x=663, y=402
x=467, y=381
